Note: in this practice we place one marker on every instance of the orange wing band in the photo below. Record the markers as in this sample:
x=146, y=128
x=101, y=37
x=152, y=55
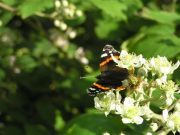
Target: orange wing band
x=100, y=86
x=120, y=88
x=107, y=61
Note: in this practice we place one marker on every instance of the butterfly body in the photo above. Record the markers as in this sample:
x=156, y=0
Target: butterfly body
x=111, y=76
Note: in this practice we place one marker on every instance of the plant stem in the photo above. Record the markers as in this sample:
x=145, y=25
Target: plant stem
x=173, y=5
x=7, y=7
x=14, y=10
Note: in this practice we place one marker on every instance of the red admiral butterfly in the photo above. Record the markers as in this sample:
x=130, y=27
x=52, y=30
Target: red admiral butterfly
x=111, y=75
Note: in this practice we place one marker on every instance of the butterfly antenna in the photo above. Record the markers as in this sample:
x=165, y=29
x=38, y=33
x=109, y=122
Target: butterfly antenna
x=84, y=77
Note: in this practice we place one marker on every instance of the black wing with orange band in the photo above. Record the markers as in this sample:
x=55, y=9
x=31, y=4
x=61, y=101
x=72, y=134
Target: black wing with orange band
x=111, y=75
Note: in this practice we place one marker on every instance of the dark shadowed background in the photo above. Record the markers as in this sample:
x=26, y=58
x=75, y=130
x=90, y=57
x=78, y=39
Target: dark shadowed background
x=45, y=48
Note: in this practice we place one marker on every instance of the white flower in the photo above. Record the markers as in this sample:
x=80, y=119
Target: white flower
x=63, y=26
x=169, y=88
x=128, y=102
x=172, y=120
x=106, y=133
x=107, y=102
x=122, y=133
x=79, y=13
x=165, y=114
x=162, y=66
x=148, y=133
x=130, y=60
x=60, y=24
x=65, y=3
x=131, y=112
x=57, y=3
x=161, y=80
x=1, y=23
x=177, y=106
x=154, y=126
x=147, y=112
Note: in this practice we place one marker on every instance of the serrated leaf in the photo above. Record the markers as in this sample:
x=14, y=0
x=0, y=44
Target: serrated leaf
x=30, y=7
x=114, y=8
x=161, y=16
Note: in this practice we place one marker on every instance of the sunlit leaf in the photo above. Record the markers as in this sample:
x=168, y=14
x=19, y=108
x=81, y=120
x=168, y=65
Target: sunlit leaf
x=161, y=16
x=116, y=10
x=29, y=7
x=105, y=27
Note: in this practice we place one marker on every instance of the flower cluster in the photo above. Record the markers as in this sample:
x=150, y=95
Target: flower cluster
x=148, y=84
x=65, y=11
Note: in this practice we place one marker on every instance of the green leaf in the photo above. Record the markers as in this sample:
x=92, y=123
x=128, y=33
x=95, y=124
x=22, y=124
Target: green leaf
x=36, y=130
x=105, y=27
x=153, y=46
x=6, y=17
x=155, y=40
x=12, y=130
x=176, y=75
x=46, y=111
x=26, y=62
x=94, y=124
x=10, y=2
x=2, y=74
x=71, y=50
x=30, y=7
x=133, y=6
x=159, y=29
x=157, y=101
x=59, y=122
x=44, y=48
x=161, y=16
x=97, y=124
x=113, y=8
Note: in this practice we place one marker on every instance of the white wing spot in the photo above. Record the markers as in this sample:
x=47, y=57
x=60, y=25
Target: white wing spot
x=92, y=88
x=104, y=55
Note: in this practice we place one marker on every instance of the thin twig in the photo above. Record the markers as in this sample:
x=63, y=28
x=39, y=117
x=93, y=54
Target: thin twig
x=14, y=10
x=7, y=7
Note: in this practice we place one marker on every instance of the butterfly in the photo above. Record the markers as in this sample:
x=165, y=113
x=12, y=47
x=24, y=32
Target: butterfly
x=111, y=76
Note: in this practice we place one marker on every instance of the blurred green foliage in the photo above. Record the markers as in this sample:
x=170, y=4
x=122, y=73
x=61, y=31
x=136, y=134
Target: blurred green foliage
x=40, y=67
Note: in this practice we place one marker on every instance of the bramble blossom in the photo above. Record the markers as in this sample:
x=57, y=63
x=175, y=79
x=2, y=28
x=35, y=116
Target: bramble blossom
x=162, y=66
x=107, y=102
x=131, y=112
x=145, y=77
x=130, y=60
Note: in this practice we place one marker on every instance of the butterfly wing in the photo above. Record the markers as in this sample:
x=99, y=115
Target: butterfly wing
x=111, y=75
